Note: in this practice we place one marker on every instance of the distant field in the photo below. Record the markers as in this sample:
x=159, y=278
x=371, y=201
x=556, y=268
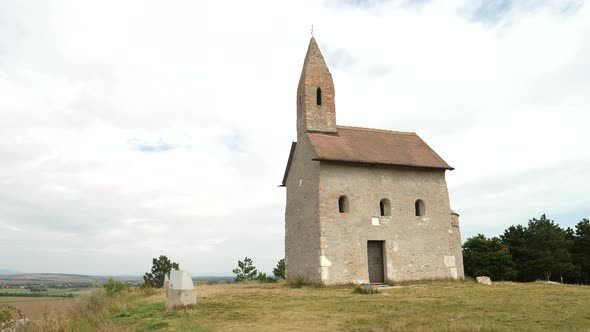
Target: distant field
x=440, y=306
x=49, y=291
x=35, y=307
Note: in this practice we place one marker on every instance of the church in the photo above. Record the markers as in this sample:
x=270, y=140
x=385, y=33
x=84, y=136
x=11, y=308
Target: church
x=363, y=205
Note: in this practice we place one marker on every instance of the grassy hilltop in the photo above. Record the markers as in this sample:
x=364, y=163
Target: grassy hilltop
x=440, y=306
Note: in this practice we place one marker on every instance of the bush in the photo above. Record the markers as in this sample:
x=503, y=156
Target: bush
x=8, y=317
x=113, y=287
x=365, y=290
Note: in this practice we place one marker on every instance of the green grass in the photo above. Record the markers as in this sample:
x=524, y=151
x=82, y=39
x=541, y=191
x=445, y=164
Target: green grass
x=440, y=306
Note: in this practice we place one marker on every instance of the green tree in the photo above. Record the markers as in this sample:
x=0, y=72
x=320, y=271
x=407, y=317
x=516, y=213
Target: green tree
x=581, y=250
x=488, y=257
x=540, y=250
x=160, y=268
x=549, y=248
x=279, y=270
x=245, y=271
x=515, y=239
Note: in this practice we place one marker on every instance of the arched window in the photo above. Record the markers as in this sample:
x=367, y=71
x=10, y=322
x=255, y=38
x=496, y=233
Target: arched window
x=385, y=207
x=343, y=204
x=318, y=96
x=420, y=208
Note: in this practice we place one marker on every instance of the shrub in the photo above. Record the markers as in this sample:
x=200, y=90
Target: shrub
x=365, y=290
x=113, y=287
x=9, y=315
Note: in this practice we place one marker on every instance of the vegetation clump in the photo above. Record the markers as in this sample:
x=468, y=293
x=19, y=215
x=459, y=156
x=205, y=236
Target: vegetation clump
x=113, y=287
x=365, y=290
x=9, y=316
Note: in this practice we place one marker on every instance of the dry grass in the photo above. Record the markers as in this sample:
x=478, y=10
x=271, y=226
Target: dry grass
x=440, y=306
x=34, y=309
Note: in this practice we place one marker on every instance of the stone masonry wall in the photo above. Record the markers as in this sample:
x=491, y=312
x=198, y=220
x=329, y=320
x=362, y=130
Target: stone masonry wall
x=415, y=248
x=302, y=229
x=456, y=245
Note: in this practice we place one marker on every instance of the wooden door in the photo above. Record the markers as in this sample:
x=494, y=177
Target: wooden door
x=375, y=260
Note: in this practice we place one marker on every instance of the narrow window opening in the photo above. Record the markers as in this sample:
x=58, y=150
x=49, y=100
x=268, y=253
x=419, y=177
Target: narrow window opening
x=318, y=96
x=343, y=204
x=385, y=207
x=420, y=209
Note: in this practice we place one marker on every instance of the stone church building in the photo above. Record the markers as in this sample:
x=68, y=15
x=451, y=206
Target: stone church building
x=363, y=205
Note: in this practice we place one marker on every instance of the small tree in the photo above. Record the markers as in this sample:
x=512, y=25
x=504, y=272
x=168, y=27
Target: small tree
x=160, y=268
x=279, y=270
x=246, y=270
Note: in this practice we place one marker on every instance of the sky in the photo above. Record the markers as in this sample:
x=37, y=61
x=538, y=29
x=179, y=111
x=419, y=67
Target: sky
x=131, y=129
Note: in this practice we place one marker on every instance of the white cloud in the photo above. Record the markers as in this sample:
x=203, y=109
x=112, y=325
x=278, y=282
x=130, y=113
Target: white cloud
x=134, y=129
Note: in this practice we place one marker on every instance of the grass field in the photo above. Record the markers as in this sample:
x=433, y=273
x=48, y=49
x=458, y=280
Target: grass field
x=432, y=306
x=440, y=306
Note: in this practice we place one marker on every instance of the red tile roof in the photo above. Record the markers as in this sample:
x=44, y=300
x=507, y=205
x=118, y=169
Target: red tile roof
x=374, y=146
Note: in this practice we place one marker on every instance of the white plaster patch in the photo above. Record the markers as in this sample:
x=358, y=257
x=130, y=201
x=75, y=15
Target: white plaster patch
x=375, y=221
x=450, y=262
x=324, y=261
x=300, y=182
x=450, y=231
x=453, y=272
x=395, y=247
x=325, y=273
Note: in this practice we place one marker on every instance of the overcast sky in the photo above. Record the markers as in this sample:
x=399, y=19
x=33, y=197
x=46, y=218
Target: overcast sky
x=130, y=129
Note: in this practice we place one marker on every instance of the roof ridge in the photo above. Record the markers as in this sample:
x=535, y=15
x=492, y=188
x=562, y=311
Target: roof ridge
x=378, y=130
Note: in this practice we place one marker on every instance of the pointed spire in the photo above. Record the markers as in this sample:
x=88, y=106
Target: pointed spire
x=314, y=56
x=316, y=110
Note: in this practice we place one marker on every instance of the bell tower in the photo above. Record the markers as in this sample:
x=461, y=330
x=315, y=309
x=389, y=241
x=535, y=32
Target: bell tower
x=316, y=110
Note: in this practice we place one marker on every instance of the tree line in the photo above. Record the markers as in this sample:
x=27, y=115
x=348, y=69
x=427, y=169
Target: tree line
x=540, y=250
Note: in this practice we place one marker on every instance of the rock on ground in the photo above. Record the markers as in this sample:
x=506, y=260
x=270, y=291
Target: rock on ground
x=484, y=280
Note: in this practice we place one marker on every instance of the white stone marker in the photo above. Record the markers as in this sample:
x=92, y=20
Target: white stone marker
x=166, y=283
x=181, y=292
